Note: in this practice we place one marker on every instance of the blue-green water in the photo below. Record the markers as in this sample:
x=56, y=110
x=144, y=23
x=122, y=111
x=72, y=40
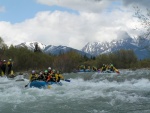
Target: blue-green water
x=128, y=92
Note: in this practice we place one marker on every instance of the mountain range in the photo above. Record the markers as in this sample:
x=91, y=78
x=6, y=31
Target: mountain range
x=51, y=49
x=140, y=46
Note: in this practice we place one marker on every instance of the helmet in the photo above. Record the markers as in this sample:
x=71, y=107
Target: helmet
x=45, y=71
x=33, y=71
x=41, y=73
x=49, y=68
x=57, y=71
x=53, y=70
x=4, y=60
x=10, y=59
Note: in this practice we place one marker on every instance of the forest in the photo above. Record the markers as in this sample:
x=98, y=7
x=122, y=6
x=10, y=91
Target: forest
x=27, y=60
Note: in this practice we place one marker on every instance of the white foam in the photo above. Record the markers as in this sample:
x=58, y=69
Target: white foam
x=77, y=90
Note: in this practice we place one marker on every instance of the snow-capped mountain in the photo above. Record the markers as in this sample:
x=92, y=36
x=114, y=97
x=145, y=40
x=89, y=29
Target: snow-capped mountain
x=56, y=50
x=31, y=45
x=137, y=45
x=50, y=49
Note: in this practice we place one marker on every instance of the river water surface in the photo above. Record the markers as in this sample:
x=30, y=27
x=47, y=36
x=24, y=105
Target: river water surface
x=127, y=92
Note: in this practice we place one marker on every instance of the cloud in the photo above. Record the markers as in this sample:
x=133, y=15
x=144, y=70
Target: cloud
x=93, y=23
x=79, y=5
x=145, y=3
x=2, y=9
x=64, y=28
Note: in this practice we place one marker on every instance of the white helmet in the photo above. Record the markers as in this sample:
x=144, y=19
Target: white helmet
x=49, y=68
x=33, y=72
x=41, y=73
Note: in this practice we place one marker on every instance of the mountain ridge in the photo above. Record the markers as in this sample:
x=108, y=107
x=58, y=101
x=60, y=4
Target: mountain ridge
x=97, y=48
x=128, y=43
x=51, y=49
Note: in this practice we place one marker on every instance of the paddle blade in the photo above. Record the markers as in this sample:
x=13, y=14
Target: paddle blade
x=12, y=72
x=117, y=71
x=67, y=80
x=27, y=85
x=49, y=86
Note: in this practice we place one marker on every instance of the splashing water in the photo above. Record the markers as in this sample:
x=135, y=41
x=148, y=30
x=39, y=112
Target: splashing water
x=128, y=92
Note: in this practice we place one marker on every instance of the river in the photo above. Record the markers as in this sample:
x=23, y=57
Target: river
x=127, y=92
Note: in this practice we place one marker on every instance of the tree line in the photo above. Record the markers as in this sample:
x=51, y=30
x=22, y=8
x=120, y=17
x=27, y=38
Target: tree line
x=25, y=60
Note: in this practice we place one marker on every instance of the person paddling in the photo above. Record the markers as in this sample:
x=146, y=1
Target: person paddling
x=49, y=77
x=41, y=76
x=104, y=67
x=49, y=70
x=45, y=75
x=53, y=78
x=58, y=76
x=113, y=69
x=33, y=76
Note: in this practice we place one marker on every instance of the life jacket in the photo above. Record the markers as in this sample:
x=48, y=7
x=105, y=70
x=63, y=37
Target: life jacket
x=49, y=77
x=53, y=77
x=49, y=71
x=82, y=67
x=3, y=67
x=94, y=68
x=89, y=67
x=41, y=77
x=33, y=77
x=9, y=63
x=104, y=68
x=58, y=77
x=45, y=75
x=112, y=68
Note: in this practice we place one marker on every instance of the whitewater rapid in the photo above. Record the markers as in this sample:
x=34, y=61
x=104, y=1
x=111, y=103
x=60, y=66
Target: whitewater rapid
x=128, y=92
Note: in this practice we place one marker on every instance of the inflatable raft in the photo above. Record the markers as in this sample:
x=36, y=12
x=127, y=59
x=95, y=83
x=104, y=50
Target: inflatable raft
x=43, y=84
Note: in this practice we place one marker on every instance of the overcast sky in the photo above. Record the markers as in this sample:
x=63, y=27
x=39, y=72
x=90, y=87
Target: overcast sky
x=71, y=23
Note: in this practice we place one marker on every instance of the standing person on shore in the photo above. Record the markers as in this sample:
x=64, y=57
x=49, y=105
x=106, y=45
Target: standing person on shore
x=1, y=63
x=3, y=67
x=10, y=65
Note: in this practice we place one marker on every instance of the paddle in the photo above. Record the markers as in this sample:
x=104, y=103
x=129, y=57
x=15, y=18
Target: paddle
x=27, y=85
x=67, y=80
x=117, y=71
x=20, y=80
x=49, y=86
x=12, y=72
